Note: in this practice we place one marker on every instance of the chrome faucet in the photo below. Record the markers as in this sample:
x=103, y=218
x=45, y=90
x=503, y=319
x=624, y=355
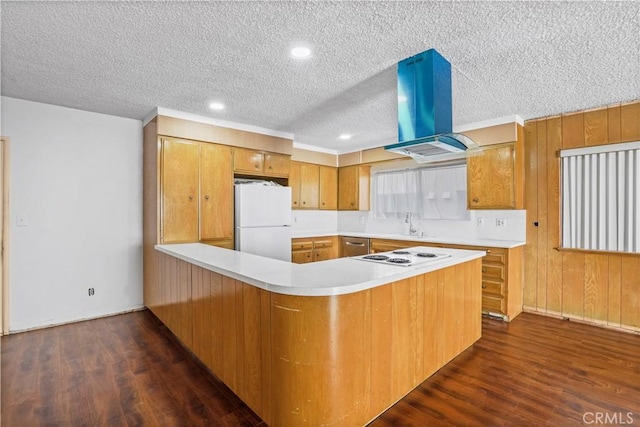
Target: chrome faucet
x=408, y=219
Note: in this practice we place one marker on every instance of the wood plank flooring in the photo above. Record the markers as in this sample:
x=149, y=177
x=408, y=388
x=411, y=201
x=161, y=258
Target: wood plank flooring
x=128, y=370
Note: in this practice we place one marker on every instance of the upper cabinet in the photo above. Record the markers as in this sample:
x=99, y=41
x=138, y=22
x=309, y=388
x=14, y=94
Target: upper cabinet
x=277, y=164
x=495, y=179
x=309, y=185
x=179, y=175
x=260, y=163
x=216, y=195
x=313, y=186
x=328, y=187
x=196, y=191
x=353, y=187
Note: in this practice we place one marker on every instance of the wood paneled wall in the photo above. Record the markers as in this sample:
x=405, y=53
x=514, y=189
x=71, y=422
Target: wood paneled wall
x=603, y=288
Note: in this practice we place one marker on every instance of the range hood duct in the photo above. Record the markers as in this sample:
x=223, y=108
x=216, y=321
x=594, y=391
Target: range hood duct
x=424, y=111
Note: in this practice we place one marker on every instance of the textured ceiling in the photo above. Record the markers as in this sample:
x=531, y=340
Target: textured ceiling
x=125, y=58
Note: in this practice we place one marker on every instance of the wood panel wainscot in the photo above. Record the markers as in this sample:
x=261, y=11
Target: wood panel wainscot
x=321, y=360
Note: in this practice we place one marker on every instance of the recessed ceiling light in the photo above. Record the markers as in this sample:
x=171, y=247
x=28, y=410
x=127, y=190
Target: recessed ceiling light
x=216, y=106
x=344, y=136
x=301, y=52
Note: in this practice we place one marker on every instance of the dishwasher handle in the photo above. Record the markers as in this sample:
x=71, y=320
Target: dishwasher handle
x=353, y=246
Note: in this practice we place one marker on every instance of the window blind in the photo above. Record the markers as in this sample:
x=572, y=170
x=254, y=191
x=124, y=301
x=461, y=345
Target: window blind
x=601, y=197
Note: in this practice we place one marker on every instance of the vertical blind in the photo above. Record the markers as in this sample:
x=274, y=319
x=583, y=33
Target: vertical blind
x=429, y=193
x=601, y=197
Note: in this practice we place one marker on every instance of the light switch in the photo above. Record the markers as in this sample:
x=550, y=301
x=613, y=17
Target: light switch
x=501, y=222
x=21, y=221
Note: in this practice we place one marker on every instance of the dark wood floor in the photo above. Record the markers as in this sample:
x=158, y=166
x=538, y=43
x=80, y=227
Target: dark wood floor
x=128, y=370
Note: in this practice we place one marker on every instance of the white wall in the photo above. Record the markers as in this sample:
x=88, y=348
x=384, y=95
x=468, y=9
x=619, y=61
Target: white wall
x=76, y=185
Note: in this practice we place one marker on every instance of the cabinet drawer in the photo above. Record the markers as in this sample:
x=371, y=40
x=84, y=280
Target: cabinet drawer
x=495, y=255
x=494, y=271
x=495, y=305
x=301, y=245
x=490, y=287
x=221, y=243
x=317, y=244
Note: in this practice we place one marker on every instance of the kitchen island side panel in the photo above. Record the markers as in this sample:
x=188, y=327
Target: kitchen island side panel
x=325, y=360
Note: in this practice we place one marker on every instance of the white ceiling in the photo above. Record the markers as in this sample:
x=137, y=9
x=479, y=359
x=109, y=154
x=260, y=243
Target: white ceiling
x=126, y=58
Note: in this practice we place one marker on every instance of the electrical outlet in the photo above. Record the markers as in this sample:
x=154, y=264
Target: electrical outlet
x=91, y=292
x=480, y=222
x=501, y=222
x=361, y=219
x=21, y=221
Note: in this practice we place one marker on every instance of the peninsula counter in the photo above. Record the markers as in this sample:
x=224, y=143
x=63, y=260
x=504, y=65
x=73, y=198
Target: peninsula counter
x=331, y=343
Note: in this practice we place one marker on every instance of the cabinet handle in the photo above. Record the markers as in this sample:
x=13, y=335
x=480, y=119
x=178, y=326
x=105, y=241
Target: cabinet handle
x=295, y=203
x=475, y=200
x=304, y=203
x=488, y=251
x=484, y=286
x=190, y=197
x=351, y=203
x=206, y=197
x=256, y=166
x=322, y=203
x=484, y=270
x=269, y=167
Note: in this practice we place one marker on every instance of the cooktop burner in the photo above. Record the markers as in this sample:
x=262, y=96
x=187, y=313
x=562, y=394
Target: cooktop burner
x=376, y=257
x=415, y=256
x=399, y=260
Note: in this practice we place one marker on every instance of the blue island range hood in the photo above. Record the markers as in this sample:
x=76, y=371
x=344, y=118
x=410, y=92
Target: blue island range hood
x=424, y=111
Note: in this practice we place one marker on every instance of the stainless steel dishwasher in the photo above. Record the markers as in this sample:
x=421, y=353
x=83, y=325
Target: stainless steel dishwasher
x=353, y=246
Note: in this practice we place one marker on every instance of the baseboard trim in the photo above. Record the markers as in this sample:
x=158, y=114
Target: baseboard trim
x=624, y=328
x=84, y=319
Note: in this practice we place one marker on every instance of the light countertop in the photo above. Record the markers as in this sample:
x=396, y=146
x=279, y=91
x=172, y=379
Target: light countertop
x=508, y=244
x=324, y=278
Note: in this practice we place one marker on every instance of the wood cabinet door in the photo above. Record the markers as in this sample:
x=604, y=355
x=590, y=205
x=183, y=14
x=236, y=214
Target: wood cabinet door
x=309, y=185
x=328, y=188
x=277, y=164
x=216, y=192
x=322, y=254
x=491, y=178
x=348, y=188
x=179, y=188
x=294, y=183
x=248, y=161
x=302, y=257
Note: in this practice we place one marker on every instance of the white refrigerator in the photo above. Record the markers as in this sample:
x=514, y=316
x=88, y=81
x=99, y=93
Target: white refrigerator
x=263, y=220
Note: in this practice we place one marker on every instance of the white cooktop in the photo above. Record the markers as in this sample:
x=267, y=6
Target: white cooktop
x=405, y=257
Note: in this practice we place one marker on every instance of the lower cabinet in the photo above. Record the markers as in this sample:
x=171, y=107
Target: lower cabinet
x=310, y=249
x=501, y=274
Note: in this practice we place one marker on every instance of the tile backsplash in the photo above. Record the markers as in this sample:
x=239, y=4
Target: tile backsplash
x=483, y=224
x=320, y=221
